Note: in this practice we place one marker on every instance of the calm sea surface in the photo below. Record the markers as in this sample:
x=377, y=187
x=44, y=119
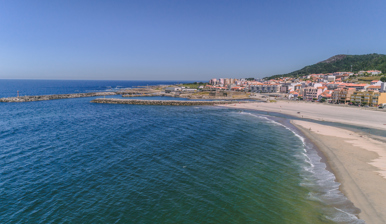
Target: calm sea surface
x=71, y=161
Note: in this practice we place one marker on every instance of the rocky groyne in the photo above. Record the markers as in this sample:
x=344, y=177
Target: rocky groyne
x=142, y=95
x=163, y=102
x=53, y=97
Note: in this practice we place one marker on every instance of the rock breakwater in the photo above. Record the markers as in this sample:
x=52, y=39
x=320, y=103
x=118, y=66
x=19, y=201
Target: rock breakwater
x=53, y=97
x=163, y=102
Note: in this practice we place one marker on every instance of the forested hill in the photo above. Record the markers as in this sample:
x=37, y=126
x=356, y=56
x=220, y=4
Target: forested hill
x=342, y=63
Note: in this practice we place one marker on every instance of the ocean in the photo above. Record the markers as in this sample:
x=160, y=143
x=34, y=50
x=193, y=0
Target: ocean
x=72, y=161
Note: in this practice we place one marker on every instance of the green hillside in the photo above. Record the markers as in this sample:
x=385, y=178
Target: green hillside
x=342, y=63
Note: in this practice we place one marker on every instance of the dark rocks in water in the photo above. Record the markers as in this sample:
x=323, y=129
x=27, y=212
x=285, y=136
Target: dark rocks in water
x=53, y=97
x=161, y=102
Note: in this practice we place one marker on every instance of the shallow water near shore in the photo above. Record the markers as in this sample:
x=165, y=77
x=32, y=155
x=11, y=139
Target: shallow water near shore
x=74, y=161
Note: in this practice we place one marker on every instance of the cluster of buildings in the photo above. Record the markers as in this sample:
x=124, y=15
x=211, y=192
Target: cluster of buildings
x=332, y=87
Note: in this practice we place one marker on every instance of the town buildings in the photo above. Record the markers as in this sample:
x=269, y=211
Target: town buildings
x=369, y=98
x=312, y=93
x=265, y=88
x=337, y=87
x=342, y=95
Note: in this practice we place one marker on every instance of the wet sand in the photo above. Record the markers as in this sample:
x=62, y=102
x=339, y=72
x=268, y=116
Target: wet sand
x=359, y=164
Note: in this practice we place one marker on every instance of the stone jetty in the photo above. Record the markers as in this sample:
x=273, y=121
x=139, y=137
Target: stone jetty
x=163, y=102
x=53, y=97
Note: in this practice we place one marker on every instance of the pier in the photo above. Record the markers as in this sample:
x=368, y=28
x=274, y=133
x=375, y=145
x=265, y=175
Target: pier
x=163, y=102
x=20, y=99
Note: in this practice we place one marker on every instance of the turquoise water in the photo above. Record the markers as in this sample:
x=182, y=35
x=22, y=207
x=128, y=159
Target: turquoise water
x=71, y=161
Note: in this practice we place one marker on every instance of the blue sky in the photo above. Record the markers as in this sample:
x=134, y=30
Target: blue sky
x=181, y=40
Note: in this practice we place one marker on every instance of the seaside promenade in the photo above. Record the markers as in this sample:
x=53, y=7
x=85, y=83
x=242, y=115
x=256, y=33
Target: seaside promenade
x=357, y=160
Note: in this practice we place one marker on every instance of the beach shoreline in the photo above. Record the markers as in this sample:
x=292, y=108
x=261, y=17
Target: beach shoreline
x=358, y=169
x=321, y=112
x=356, y=160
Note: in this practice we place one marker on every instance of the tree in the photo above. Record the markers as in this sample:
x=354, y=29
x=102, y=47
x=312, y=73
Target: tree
x=383, y=78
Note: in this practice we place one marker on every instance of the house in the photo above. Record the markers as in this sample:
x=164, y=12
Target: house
x=342, y=73
x=332, y=86
x=331, y=78
x=326, y=95
x=374, y=72
x=375, y=83
x=293, y=95
x=172, y=89
x=237, y=88
x=295, y=87
x=317, y=85
x=374, y=88
x=189, y=90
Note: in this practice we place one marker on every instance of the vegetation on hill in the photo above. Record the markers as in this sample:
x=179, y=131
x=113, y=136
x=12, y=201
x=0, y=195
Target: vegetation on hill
x=341, y=63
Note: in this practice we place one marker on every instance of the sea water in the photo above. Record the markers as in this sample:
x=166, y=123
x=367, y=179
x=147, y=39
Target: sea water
x=72, y=161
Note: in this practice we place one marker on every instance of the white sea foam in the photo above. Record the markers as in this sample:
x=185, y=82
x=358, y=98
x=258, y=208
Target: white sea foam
x=308, y=160
x=344, y=217
x=320, y=182
x=277, y=123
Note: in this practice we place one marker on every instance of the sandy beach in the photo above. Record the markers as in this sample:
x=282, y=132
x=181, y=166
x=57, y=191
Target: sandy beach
x=358, y=161
x=359, y=164
x=348, y=115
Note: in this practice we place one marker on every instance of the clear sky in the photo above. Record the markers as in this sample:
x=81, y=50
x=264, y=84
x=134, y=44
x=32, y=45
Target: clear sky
x=182, y=40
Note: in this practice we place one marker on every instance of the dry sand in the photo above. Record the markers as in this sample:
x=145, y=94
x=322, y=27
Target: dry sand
x=316, y=111
x=359, y=164
x=358, y=161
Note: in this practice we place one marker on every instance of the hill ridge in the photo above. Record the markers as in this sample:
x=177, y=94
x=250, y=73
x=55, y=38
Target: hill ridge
x=341, y=63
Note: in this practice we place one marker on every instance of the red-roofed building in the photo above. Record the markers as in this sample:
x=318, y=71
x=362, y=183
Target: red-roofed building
x=374, y=72
x=311, y=93
x=342, y=95
x=358, y=87
x=376, y=83
x=293, y=95
x=237, y=88
x=326, y=95
x=374, y=88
